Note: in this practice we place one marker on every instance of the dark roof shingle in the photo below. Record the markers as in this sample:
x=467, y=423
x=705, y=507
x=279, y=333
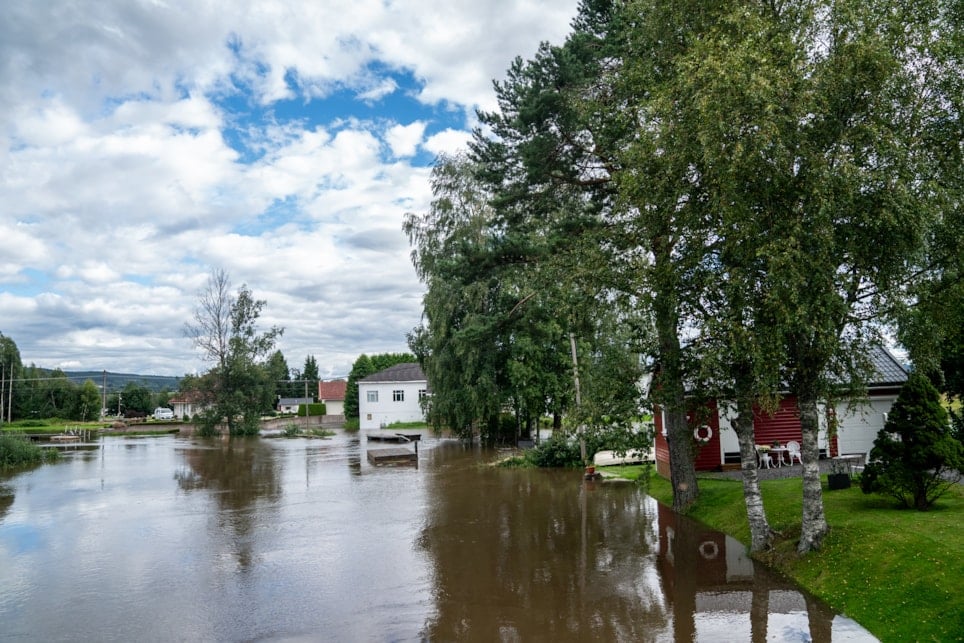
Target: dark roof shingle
x=407, y=372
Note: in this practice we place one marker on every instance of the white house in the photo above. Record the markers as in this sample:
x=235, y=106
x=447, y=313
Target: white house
x=291, y=404
x=187, y=404
x=332, y=395
x=392, y=395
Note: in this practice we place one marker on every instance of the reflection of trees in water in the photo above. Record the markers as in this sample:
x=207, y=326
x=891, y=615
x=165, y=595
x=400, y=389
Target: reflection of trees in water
x=240, y=473
x=695, y=562
x=528, y=555
x=534, y=555
x=6, y=500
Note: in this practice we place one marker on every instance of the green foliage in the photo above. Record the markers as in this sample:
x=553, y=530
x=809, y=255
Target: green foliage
x=17, y=450
x=89, y=402
x=279, y=373
x=362, y=368
x=207, y=422
x=405, y=425
x=314, y=410
x=957, y=424
x=137, y=397
x=294, y=430
x=557, y=451
x=32, y=423
x=381, y=361
x=915, y=458
x=291, y=430
x=238, y=385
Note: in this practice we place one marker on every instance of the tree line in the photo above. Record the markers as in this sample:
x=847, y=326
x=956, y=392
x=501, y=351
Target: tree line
x=738, y=197
x=31, y=392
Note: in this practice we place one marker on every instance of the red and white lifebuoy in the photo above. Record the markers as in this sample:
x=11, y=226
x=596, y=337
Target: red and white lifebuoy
x=709, y=550
x=698, y=433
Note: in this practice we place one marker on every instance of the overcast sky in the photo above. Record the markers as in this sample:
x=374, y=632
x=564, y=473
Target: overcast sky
x=146, y=142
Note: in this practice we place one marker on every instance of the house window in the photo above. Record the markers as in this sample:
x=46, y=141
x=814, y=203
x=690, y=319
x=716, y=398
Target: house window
x=422, y=393
x=372, y=396
x=368, y=416
x=398, y=396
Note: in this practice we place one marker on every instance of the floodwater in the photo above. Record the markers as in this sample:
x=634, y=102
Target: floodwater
x=182, y=539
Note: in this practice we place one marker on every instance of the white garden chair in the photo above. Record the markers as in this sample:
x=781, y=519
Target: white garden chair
x=793, y=450
x=765, y=459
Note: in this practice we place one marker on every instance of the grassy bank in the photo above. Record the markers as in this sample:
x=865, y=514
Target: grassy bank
x=896, y=572
x=17, y=450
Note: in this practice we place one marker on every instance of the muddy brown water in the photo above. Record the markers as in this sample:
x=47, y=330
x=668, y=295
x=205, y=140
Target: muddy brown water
x=182, y=539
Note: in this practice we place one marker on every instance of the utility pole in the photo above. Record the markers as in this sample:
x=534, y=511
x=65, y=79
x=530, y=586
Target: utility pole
x=103, y=390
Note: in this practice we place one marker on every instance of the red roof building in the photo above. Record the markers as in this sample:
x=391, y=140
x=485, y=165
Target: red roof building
x=332, y=394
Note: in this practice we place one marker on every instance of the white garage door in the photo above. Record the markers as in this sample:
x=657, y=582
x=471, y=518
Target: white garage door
x=858, y=427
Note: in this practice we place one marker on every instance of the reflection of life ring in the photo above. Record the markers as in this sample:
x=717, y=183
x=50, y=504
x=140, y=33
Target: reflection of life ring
x=701, y=438
x=709, y=550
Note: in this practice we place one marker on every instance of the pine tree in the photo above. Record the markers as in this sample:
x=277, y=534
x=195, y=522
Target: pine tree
x=915, y=458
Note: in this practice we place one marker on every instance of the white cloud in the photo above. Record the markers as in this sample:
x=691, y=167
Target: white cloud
x=405, y=139
x=449, y=141
x=145, y=143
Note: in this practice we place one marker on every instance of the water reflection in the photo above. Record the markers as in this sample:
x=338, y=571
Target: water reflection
x=238, y=473
x=527, y=555
x=533, y=555
x=715, y=588
x=6, y=500
x=178, y=539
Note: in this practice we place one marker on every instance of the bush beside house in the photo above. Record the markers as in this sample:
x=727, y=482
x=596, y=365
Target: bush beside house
x=916, y=456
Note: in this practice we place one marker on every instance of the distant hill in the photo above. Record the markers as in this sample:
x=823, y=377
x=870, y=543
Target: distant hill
x=117, y=381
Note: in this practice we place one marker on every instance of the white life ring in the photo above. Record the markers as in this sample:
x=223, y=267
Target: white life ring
x=709, y=550
x=700, y=438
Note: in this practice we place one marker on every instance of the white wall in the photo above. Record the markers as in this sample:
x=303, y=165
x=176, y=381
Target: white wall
x=729, y=443
x=386, y=410
x=858, y=427
x=334, y=407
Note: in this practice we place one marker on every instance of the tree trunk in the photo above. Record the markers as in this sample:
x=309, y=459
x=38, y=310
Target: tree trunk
x=814, y=526
x=761, y=536
x=672, y=393
x=679, y=437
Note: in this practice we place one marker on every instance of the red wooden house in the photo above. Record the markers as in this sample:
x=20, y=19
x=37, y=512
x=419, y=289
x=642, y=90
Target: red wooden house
x=857, y=425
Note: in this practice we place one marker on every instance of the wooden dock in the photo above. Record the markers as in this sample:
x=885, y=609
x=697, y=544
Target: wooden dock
x=65, y=437
x=398, y=438
x=394, y=455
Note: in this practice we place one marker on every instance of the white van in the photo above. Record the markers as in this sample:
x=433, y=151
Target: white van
x=160, y=413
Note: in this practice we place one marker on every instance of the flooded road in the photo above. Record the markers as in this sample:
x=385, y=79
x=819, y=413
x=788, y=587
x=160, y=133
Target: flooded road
x=170, y=538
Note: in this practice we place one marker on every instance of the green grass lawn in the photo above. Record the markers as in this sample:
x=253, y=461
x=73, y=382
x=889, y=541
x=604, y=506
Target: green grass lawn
x=898, y=572
x=52, y=425
x=394, y=426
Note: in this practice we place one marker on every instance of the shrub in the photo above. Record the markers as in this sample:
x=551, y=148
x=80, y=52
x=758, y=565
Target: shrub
x=915, y=458
x=314, y=409
x=555, y=452
x=17, y=450
x=291, y=430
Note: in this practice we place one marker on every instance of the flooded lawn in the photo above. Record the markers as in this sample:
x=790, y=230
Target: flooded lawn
x=171, y=538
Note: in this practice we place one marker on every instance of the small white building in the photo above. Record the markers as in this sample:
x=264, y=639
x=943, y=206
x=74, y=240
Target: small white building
x=332, y=395
x=392, y=395
x=291, y=404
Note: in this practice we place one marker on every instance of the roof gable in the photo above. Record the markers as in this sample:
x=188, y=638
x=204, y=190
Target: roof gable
x=334, y=390
x=887, y=370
